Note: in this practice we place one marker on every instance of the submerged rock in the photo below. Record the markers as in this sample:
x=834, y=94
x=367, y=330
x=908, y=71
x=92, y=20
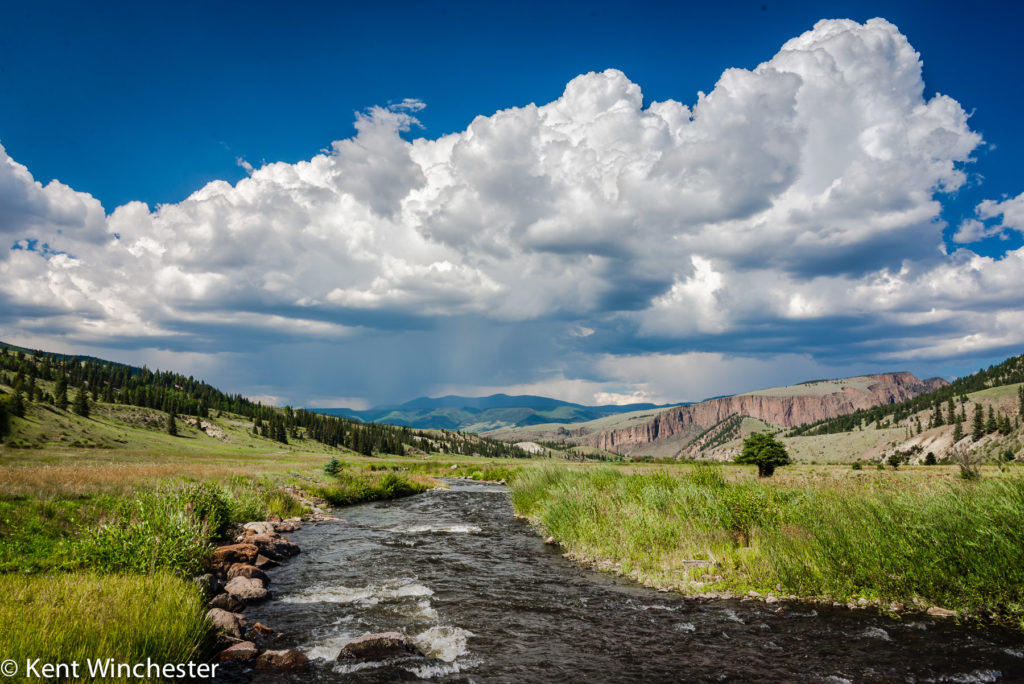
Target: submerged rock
x=289, y=659
x=379, y=646
x=260, y=633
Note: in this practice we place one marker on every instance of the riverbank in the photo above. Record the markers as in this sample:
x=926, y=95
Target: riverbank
x=905, y=541
x=98, y=547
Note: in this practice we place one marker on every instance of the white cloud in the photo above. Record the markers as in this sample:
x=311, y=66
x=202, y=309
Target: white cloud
x=803, y=189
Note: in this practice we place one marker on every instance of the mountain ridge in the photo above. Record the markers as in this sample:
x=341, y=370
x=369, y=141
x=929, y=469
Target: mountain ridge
x=482, y=414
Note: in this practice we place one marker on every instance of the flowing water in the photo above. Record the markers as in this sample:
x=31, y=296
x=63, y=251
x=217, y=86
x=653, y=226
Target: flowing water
x=483, y=596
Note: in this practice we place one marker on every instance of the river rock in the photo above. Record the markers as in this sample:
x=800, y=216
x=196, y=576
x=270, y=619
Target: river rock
x=259, y=527
x=283, y=527
x=231, y=624
x=209, y=583
x=260, y=633
x=246, y=570
x=226, y=556
x=227, y=602
x=273, y=547
x=247, y=588
x=240, y=652
x=935, y=611
x=264, y=563
x=380, y=646
x=289, y=659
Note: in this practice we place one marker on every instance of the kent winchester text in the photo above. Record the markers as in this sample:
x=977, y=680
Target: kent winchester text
x=109, y=668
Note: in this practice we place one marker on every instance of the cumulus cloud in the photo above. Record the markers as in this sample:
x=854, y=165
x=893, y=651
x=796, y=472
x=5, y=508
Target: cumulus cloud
x=804, y=190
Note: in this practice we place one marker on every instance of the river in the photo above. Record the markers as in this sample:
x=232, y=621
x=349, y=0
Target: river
x=490, y=602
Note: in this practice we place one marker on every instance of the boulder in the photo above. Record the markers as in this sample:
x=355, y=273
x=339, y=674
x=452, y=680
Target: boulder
x=231, y=624
x=282, y=660
x=226, y=556
x=259, y=527
x=379, y=646
x=263, y=563
x=247, y=588
x=246, y=570
x=287, y=527
x=240, y=652
x=273, y=547
x=227, y=602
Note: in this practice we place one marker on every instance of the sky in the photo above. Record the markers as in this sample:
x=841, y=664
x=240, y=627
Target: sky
x=343, y=205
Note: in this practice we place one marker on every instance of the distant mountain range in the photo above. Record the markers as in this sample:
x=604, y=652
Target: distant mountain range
x=479, y=414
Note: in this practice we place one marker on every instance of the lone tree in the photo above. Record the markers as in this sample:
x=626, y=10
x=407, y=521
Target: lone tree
x=172, y=425
x=764, y=451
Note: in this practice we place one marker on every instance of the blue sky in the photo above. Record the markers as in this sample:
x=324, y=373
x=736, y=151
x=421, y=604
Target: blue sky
x=148, y=102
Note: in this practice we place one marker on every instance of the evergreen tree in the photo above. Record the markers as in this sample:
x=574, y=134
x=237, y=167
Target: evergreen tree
x=61, y=395
x=990, y=424
x=958, y=431
x=81, y=405
x=5, y=419
x=951, y=409
x=172, y=425
x=17, y=405
x=918, y=426
x=764, y=451
x=978, y=428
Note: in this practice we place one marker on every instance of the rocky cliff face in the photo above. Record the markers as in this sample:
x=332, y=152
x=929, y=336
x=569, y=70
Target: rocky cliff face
x=786, y=409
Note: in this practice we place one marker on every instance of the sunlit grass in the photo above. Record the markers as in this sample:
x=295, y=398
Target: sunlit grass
x=920, y=538
x=71, y=617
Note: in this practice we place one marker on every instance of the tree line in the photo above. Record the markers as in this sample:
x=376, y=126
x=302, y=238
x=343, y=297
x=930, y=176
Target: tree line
x=89, y=380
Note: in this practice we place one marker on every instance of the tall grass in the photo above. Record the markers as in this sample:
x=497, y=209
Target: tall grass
x=70, y=617
x=955, y=544
x=349, y=487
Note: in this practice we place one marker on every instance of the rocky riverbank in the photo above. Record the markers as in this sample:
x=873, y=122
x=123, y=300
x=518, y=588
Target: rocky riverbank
x=239, y=575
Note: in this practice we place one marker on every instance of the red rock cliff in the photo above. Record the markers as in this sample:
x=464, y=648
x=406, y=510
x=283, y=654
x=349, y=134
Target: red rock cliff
x=786, y=409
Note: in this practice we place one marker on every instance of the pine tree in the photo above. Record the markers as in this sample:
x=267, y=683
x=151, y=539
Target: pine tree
x=81, y=405
x=978, y=428
x=5, y=419
x=958, y=431
x=990, y=424
x=951, y=409
x=172, y=426
x=17, y=405
x=61, y=395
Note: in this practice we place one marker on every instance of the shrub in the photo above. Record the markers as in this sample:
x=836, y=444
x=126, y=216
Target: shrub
x=857, y=465
x=333, y=467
